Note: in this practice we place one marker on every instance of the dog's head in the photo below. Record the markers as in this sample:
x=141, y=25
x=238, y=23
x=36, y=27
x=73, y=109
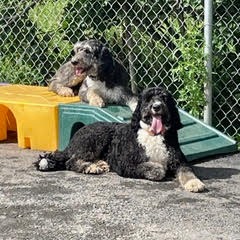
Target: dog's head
x=156, y=112
x=92, y=58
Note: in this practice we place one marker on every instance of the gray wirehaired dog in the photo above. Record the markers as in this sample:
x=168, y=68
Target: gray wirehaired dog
x=95, y=76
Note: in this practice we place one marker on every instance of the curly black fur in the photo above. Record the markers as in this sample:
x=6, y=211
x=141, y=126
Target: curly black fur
x=131, y=150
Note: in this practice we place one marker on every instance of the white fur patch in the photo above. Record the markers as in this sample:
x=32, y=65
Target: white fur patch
x=110, y=95
x=194, y=185
x=154, y=146
x=43, y=164
x=144, y=126
x=132, y=103
x=90, y=82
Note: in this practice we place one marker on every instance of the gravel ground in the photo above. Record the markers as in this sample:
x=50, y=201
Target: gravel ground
x=67, y=205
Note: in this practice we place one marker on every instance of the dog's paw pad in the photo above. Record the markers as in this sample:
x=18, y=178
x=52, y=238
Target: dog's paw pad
x=103, y=165
x=43, y=164
x=96, y=101
x=194, y=185
x=92, y=169
x=97, y=168
x=65, y=92
x=155, y=174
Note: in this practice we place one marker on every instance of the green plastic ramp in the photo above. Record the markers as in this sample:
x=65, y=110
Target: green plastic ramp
x=72, y=115
x=197, y=139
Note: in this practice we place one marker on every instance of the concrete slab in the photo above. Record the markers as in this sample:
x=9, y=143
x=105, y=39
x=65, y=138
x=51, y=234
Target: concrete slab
x=67, y=205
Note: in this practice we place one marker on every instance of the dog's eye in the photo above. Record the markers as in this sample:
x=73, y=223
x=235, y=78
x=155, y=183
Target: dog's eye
x=164, y=97
x=79, y=49
x=87, y=51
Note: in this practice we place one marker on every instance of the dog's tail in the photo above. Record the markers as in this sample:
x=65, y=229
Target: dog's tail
x=51, y=161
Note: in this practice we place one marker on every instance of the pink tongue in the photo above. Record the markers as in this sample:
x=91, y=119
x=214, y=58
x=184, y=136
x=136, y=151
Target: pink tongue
x=157, y=126
x=79, y=71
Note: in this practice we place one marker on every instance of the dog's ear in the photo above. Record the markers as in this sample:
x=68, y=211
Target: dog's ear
x=105, y=54
x=106, y=66
x=175, y=118
x=136, y=117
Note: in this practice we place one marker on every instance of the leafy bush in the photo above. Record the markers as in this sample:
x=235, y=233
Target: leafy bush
x=160, y=42
x=190, y=72
x=21, y=73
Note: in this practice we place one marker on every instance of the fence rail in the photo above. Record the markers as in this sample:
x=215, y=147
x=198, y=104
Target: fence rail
x=159, y=42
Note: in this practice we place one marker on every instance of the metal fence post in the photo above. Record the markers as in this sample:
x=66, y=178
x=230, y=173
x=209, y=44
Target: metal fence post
x=208, y=57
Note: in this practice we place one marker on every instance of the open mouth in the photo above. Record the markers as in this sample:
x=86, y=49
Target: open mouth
x=80, y=70
x=157, y=126
x=154, y=125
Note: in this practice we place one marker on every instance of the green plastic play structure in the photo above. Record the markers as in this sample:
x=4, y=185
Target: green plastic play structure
x=197, y=139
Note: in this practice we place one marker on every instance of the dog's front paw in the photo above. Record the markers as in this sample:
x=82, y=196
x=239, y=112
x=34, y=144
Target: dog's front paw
x=65, y=92
x=103, y=165
x=42, y=164
x=155, y=174
x=97, y=168
x=194, y=185
x=96, y=101
x=45, y=163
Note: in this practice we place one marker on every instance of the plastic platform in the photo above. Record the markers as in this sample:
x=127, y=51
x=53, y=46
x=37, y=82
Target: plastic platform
x=73, y=116
x=197, y=139
x=33, y=113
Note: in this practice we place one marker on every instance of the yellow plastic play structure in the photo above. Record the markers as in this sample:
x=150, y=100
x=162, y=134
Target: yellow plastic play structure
x=32, y=112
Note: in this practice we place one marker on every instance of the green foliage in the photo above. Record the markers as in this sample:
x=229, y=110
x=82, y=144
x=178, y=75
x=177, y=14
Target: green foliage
x=150, y=60
x=41, y=13
x=51, y=29
x=226, y=63
x=189, y=73
x=18, y=72
x=164, y=40
x=34, y=42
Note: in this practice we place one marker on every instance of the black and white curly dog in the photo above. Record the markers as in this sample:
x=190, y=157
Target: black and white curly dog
x=95, y=76
x=146, y=148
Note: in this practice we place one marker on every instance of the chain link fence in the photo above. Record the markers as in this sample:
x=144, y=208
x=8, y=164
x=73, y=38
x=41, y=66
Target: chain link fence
x=226, y=67
x=159, y=42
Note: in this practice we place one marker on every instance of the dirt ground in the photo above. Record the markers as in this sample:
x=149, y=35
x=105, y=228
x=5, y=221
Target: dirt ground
x=67, y=205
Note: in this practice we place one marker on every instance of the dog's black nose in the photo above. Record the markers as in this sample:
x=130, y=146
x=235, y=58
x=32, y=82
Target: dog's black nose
x=74, y=62
x=156, y=106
